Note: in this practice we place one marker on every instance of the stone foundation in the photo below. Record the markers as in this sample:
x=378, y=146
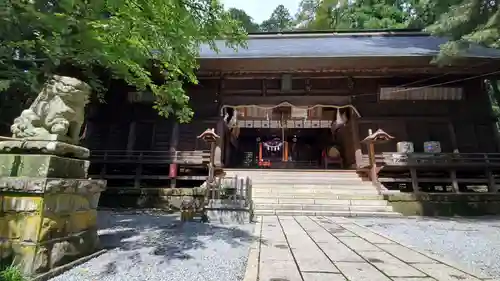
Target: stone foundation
x=161, y=198
x=442, y=204
x=46, y=221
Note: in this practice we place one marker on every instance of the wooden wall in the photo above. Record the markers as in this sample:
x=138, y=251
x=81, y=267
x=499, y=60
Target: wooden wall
x=466, y=124
x=119, y=124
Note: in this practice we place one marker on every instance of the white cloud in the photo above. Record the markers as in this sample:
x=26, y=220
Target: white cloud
x=260, y=10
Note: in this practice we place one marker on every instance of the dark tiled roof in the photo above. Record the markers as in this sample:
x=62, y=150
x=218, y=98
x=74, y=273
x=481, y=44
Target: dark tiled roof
x=341, y=45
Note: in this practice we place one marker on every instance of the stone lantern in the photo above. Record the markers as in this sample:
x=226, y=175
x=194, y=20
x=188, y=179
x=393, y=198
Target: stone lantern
x=209, y=136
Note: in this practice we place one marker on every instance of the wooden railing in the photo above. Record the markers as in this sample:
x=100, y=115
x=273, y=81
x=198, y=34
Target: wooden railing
x=231, y=193
x=196, y=157
x=452, y=160
x=458, y=172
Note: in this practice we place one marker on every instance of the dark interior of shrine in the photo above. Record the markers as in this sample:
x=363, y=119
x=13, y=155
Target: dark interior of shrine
x=283, y=148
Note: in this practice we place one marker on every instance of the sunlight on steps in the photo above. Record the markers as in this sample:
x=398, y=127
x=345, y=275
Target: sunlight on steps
x=313, y=192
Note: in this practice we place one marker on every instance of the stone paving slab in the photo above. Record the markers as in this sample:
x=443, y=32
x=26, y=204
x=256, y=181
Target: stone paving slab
x=312, y=248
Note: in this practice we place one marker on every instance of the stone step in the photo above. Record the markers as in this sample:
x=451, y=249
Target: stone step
x=298, y=171
x=308, y=182
x=288, y=174
x=298, y=187
x=321, y=197
x=319, y=201
x=326, y=213
x=318, y=207
x=295, y=175
x=312, y=192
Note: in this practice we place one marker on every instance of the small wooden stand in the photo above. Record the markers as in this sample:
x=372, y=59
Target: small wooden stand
x=375, y=138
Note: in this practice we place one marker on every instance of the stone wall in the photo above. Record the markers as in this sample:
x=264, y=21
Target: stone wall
x=161, y=198
x=46, y=221
x=442, y=204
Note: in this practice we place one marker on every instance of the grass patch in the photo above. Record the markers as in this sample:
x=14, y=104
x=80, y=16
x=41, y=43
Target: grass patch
x=11, y=273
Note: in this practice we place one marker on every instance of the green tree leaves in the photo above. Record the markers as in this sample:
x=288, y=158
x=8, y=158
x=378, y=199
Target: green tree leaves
x=133, y=39
x=245, y=20
x=280, y=20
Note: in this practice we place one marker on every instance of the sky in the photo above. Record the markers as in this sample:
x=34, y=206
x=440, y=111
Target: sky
x=260, y=10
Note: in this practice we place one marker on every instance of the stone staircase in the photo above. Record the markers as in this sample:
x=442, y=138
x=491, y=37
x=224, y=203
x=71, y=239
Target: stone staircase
x=313, y=192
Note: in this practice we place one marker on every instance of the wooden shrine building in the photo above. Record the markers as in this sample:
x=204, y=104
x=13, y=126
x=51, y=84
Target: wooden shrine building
x=307, y=100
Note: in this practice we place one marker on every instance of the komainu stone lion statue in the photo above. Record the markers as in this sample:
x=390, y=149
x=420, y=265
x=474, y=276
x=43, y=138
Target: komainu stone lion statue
x=57, y=113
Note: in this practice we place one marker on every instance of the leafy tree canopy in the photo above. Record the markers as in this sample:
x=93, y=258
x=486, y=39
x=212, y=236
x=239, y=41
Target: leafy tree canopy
x=133, y=39
x=280, y=20
x=468, y=21
x=245, y=20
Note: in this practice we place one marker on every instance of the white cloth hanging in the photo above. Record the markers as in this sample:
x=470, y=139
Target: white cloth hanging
x=340, y=120
x=276, y=147
x=234, y=119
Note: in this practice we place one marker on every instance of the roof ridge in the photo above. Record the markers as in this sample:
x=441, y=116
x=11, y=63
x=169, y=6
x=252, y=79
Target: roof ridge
x=336, y=34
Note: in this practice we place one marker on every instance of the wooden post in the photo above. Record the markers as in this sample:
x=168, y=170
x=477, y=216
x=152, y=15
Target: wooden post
x=104, y=166
x=373, y=163
x=219, y=144
x=375, y=138
x=131, y=137
x=174, y=141
x=453, y=136
x=211, y=164
x=414, y=180
x=489, y=175
x=454, y=182
x=210, y=137
x=358, y=154
x=138, y=175
x=260, y=151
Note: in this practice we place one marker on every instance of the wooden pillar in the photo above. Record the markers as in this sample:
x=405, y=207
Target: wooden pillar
x=227, y=149
x=373, y=163
x=219, y=144
x=454, y=182
x=211, y=165
x=414, y=180
x=358, y=155
x=174, y=141
x=131, y=137
x=453, y=136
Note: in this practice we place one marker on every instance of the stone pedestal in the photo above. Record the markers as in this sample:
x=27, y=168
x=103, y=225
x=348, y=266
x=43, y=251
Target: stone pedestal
x=48, y=213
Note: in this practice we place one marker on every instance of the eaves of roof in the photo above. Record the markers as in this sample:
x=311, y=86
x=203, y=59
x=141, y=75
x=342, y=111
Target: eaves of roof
x=332, y=45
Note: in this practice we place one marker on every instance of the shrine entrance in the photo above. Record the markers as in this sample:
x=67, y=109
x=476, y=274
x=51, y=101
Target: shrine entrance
x=282, y=148
x=289, y=137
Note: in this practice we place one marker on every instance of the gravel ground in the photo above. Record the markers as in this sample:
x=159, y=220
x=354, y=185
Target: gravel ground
x=471, y=242
x=153, y=246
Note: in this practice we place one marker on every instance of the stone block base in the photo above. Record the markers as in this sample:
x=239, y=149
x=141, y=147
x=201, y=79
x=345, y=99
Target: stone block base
x=163, y=198
x=47, y=222
x=36, y=258
x=54, y=147
x=439, y=204
x=32, y=165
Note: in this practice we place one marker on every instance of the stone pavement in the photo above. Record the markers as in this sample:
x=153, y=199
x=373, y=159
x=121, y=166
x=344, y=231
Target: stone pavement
x=305, y=248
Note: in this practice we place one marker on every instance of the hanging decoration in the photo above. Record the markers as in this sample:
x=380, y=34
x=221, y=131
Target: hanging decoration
x=285, y=103
x=340, y=120
x=273, y=145
x=234, y=119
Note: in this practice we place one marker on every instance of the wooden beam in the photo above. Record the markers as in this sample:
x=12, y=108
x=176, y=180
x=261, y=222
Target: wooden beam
x=299, y=92
x=295, y=100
